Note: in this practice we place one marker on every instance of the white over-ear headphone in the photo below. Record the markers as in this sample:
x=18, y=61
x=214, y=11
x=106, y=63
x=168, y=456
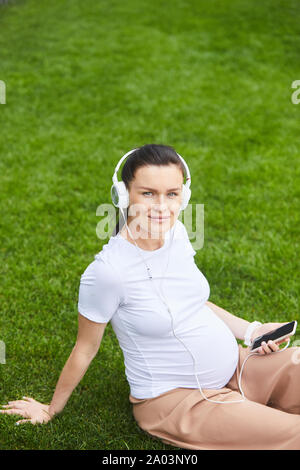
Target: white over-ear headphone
x=120, y=198
x=120, y=195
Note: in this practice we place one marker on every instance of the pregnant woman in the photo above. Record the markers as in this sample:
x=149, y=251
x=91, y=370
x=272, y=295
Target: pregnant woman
x=182, y=358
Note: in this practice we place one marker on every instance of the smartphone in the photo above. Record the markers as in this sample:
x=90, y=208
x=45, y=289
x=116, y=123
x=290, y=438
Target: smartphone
x=276, y=335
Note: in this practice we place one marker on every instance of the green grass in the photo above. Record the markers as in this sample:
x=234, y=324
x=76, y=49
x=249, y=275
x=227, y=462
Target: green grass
x=85, y=83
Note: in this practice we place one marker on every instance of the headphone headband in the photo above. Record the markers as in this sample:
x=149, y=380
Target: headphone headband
x=115, y=175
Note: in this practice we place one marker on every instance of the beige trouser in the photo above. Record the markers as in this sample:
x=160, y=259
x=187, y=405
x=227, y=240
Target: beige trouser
x=268, y=419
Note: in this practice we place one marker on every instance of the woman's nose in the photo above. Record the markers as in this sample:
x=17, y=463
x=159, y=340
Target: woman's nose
x=161, y=203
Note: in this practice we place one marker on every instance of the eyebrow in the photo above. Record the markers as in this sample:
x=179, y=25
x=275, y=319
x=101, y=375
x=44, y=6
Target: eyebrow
x=154, y=190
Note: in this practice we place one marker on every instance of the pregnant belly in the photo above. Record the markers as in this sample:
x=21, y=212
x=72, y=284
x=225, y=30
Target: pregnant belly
x=214, y=348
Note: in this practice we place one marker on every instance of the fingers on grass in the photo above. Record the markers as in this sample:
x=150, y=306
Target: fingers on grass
x=12, y=411
x=22, y=421
x=16, y=404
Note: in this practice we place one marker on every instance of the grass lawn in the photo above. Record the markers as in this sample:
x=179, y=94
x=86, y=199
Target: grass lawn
x=85, y=83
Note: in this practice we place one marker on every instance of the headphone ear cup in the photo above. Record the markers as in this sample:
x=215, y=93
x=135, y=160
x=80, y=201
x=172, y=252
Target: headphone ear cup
x=186, y=195
x=120, y=195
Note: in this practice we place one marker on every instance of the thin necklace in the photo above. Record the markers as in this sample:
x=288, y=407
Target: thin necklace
x=148, y=269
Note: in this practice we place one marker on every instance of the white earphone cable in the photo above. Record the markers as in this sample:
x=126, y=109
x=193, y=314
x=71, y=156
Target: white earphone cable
x=162, y=297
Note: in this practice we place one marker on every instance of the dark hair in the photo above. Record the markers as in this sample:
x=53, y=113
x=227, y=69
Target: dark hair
x=150, y=154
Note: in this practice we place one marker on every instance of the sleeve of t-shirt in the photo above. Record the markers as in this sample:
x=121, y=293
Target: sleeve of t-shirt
x=100, y=292
x=190, y=249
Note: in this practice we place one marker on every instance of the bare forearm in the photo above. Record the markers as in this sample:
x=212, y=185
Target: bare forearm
x=73, y=371
x=237, y=325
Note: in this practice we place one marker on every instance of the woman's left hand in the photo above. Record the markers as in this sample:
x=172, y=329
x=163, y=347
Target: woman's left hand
x=271, y=346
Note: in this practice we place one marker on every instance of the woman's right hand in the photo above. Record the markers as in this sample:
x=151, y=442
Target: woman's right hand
x=30, y=409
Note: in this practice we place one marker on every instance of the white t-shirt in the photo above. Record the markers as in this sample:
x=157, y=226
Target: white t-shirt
x=115, y=287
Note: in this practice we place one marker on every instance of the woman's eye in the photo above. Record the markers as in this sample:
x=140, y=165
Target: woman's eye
x=149, y=192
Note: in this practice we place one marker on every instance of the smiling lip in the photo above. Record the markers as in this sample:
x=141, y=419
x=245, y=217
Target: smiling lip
x=158, y=218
